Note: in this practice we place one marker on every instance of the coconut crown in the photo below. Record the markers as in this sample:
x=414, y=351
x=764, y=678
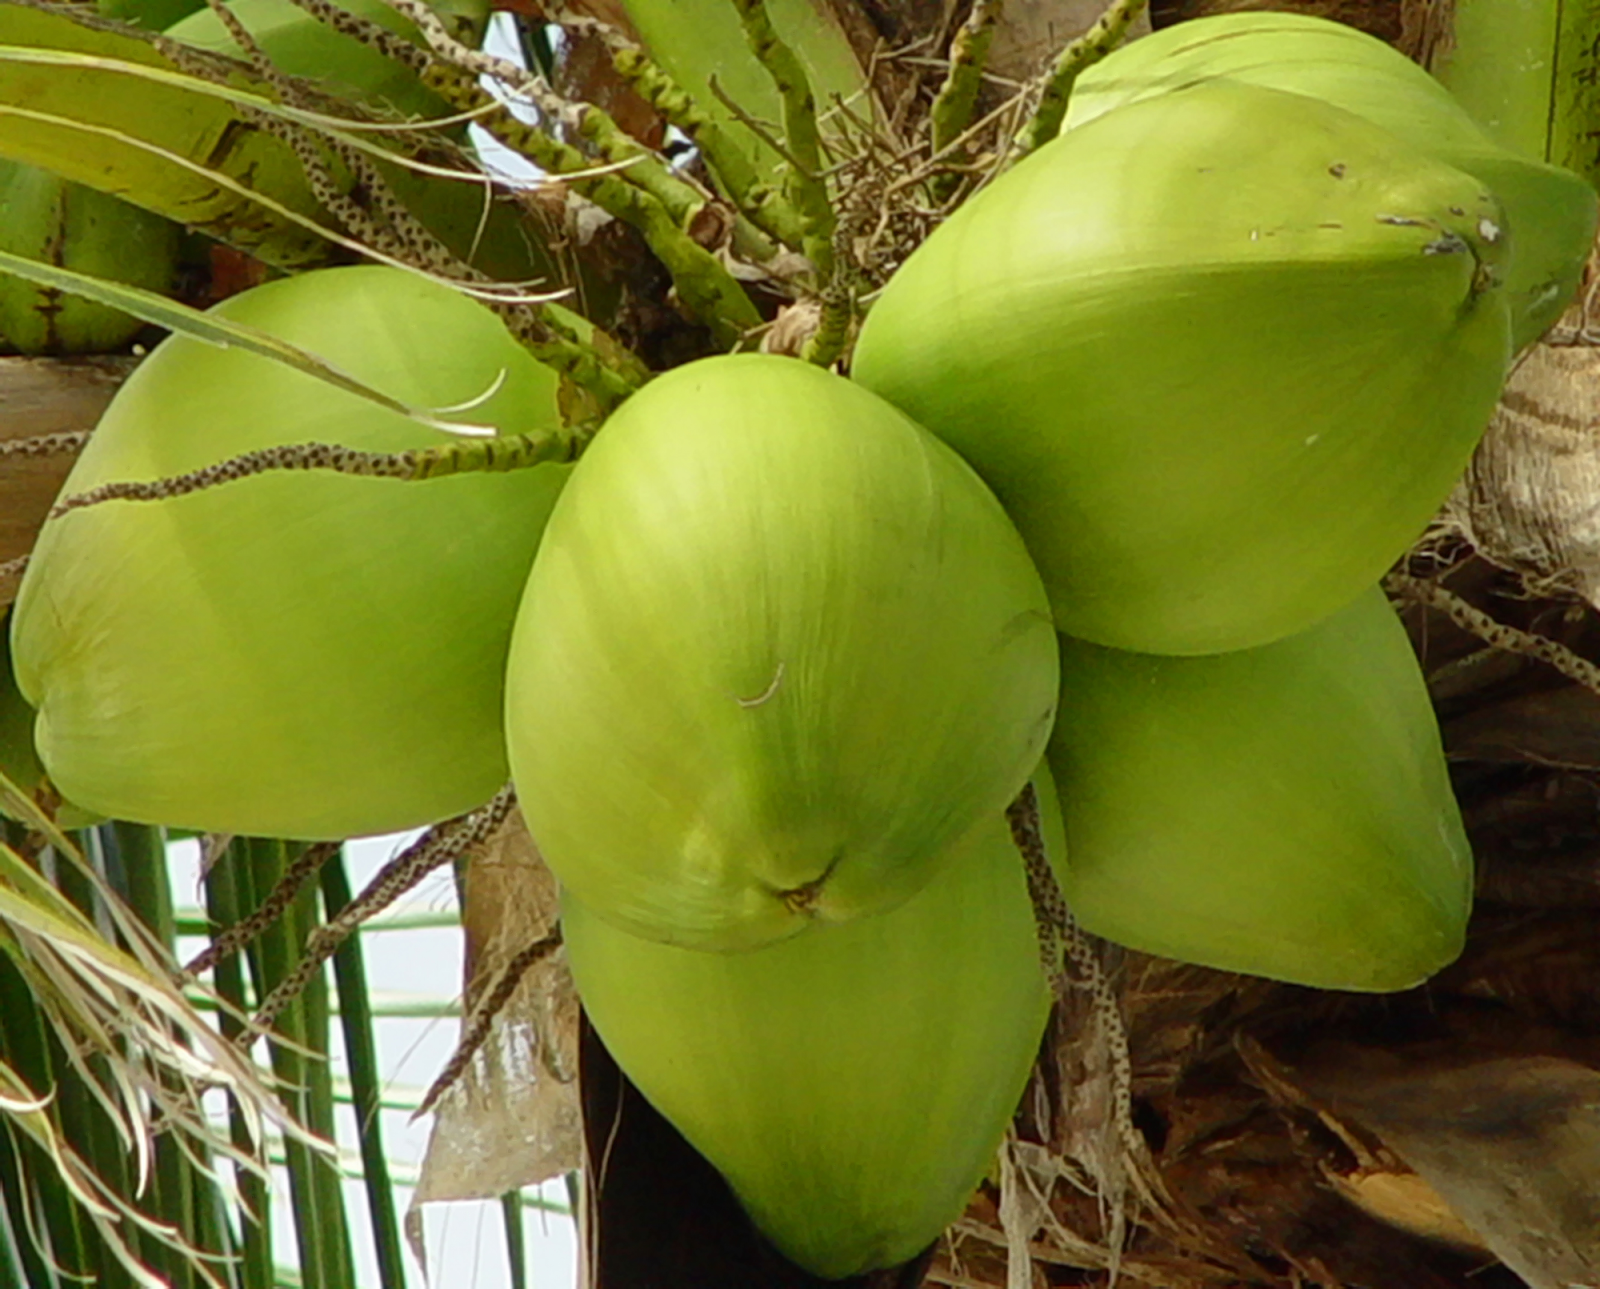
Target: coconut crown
x=294, y=654
x=1221, y=353
x=780, y=650
x=1283, y=811
x=1551, y=212
x=854, y=1082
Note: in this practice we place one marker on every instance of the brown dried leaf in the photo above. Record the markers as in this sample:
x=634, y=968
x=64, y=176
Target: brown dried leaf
x=1512, y=1146
x=513, y=1118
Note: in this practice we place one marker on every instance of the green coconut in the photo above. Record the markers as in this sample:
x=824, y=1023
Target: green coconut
x=1282, y=811
x=1221, y=354
x=1551, y=211
x=780, y=650
x=295, y=654
x=18, y=761
x=44, y=217
x=852, y=1083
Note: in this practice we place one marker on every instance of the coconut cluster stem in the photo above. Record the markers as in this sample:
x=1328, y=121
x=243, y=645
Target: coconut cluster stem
x=476, y=1031
x=1081, y=54
x=643, y=193
x=805, y=189
x=969, y=53
x=465, y=456
x=765, y=208
x=1495, y=633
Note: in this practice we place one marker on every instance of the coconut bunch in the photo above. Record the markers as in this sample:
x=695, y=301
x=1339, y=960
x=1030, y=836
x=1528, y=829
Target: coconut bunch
x=1221, y=349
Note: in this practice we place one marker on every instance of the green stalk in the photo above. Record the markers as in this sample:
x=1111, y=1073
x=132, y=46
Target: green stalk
x=516, y=1239
x=225, y=905
x=1527, y=72
x=804, y=185
x=304, y=1080
x=25, y=1046
x=366, y=1084
x=139, y=855
x=969, y=52
x=1081, y=54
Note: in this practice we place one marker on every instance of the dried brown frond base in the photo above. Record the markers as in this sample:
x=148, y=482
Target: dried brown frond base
x=1443, y=1138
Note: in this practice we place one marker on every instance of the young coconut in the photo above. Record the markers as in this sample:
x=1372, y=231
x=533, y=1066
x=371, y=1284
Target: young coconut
x=1282, y=811
x=1551, y=211
x=781, y=649
x=852, y=1083
x=295, y=654
x=1221, y=354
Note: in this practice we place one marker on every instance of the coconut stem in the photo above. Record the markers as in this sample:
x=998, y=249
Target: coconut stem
x=969, y=53
x=806, y=189
x=1079, y=55
x=235, y=937
x=441, y=845
x=476, y=1031
x=475, y=456
x=756, y=201
x=644, y=194
x=1057, y=928
x=46, y=445
x=1493, y=632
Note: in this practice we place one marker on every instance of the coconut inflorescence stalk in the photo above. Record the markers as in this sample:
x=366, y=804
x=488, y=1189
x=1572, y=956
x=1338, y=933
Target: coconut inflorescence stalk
x=296, y=655
x=854, y=1082
x=780, y=650
x=1220, y=352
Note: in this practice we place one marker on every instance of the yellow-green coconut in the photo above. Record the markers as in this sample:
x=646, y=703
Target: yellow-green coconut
x=1221, y=353
x=780, y=650
x=294, y=654
x=1283, y=811
x=852, y=1083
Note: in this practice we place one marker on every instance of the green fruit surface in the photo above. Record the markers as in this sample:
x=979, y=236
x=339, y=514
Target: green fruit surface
x=1551, y=211
x=780, y=650
x=296, y=654
x=18, y=760
x=1220, y=353
x=46, y=218
x=852, y=1083
x=1282, y=811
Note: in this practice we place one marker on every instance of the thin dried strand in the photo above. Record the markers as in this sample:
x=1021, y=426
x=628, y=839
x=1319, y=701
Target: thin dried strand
x=12, y=569
x=1493, y=632
x=802, y=135
x=1057, y=928
x=969, y=53
x=492, y=456
x=441, y=845
x=1079, y=55
x=46, y=445
x=476, y=1032
x=236, y=937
